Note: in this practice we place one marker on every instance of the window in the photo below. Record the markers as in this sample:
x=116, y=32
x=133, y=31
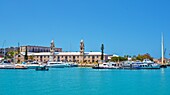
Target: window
x=96, y=56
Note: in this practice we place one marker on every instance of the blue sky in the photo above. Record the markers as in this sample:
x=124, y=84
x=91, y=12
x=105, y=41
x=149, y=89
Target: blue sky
x=123, y=26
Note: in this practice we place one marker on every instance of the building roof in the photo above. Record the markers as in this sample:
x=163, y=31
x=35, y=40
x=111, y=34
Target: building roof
x=40, y=46
x=62, y=53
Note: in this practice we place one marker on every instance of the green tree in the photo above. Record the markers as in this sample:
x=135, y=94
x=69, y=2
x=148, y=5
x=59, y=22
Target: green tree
x=26, y=55
x=31, y=57
x=10, y=54
x=117, y=59
x=144, y=56
x=102, y=50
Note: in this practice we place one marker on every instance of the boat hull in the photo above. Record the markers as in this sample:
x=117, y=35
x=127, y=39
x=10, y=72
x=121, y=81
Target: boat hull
x=96, y=67
x=56, y=66
x=12, y=67
x=44, y=68
x=163, y=66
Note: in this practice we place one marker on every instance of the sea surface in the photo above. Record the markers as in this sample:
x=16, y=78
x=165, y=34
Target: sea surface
x=85, y=81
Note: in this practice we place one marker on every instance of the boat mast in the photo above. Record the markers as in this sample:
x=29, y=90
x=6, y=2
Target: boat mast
x=162, y=49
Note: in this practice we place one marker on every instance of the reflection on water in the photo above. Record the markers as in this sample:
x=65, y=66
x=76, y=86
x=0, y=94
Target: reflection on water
x=162, y=71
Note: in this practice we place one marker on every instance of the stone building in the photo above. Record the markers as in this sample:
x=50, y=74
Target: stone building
x=79, y=57
x=37, y=49
x=9, y=49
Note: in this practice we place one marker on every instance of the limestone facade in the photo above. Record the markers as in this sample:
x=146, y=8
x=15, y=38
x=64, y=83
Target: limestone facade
x=79, y=57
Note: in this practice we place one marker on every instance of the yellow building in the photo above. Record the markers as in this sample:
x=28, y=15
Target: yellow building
x=79, y=57
x=38, y=49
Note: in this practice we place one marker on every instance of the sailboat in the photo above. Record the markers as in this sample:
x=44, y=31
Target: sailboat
x=163, y=54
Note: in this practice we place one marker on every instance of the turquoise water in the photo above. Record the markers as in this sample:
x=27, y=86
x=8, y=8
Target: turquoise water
x=85, y=81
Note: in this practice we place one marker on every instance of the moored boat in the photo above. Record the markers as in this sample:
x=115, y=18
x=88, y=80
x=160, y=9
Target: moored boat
x=109, y=65
x=70, y=64
x=20, y=67
x=42, y=68
x=56, y=64
x=130, y=65
x=33, y=65
x=163, y=66
x=148, y=64
x=12, y=66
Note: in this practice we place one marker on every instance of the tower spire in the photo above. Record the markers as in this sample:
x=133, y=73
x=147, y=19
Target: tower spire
x=82, y=51
x=52, y=51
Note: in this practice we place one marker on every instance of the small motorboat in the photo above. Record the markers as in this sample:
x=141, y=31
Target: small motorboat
x=163, y=66
x=42, y=68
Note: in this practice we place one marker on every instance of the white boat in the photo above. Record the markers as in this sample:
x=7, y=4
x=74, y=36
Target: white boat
x=70, y=64
x=34, y=65
x=130, y=65
x=8, y=65
x=42, y=68
x=56, y=64
x=109, y=65
x=148, y=64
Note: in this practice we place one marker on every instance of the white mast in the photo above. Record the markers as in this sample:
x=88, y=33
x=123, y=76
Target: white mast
x=162, y=49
